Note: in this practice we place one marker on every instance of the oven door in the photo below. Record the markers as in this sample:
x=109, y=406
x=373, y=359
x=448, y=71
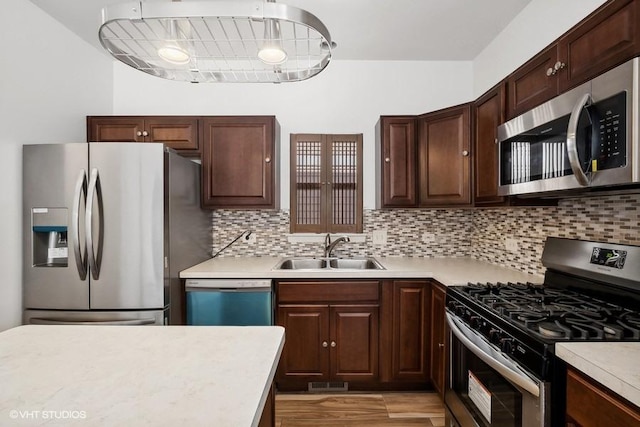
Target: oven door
x=486, y=388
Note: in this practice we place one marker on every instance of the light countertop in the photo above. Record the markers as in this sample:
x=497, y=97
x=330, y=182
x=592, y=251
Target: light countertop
x=448, y=271
x=137, y=375
x=612, y=364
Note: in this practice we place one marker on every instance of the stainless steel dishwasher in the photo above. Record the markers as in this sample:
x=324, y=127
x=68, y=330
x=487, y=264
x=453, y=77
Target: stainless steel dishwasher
x=229, y=302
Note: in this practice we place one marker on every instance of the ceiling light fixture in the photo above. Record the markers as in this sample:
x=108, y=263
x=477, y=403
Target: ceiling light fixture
x=217, y=41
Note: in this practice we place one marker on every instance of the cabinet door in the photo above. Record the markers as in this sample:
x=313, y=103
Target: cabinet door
x=398, y=161
x=438, y=335
x=115, y=129
x=238, y=164
x=179, y=133
x=530, y=85
x=607, y=38
x=354, y=343
x=406, y=336
x=445, y=160
x=489, y=114
x=305, y=356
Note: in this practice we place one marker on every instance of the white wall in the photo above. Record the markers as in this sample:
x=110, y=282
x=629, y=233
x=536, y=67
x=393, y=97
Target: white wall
x=347, y=97
x=49, y=79
x=539, y=24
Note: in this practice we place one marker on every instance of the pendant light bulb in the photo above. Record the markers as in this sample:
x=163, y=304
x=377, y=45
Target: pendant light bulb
x=174, y=54
x=271, y=52
x=171, y=50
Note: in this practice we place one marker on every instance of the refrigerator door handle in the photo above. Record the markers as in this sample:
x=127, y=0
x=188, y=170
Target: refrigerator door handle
x=133, y=322
x=80, y=191
x=94, y=254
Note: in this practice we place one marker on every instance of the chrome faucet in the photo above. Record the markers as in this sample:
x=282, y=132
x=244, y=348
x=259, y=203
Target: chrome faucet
x=329, y=246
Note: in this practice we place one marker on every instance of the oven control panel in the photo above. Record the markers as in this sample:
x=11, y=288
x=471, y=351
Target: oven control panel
x=612, y=264
x=501, y=339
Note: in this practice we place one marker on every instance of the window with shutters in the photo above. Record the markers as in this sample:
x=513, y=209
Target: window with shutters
x=326, y=183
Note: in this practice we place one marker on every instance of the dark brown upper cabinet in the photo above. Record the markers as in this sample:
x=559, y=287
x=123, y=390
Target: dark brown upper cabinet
x=445, y=157
x=239, y=162
x=398, y=161
x=424, y=160
x=488, y=114
x=604, y=39
x=177, y=132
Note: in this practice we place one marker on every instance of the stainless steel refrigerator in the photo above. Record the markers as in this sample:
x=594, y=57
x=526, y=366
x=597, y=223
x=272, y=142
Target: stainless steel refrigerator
x=107, y=229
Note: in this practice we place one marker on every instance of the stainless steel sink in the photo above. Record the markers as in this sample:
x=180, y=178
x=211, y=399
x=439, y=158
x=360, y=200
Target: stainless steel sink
x=302, y=264
x=324, y=264
x=355, y=264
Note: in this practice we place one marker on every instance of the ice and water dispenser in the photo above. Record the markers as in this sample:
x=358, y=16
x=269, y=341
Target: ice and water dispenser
x=49, y=228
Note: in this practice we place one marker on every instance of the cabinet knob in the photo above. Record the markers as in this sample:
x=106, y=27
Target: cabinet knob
x=325, y=344
x=387, y=159
x=333, y=344
x=495, y=141
x=139, y=133
x=465, y=153
x=441, y=345
x=552, y=71
x=145, y=133
x=267, y=160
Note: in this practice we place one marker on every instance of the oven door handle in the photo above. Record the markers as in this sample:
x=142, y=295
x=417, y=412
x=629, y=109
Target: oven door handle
x=517, y=377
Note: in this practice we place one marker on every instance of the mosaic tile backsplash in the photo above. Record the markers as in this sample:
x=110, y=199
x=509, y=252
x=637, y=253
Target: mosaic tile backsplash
x=476, y=233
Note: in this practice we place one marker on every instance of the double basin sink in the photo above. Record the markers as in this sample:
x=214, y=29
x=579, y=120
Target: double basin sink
x=329, y=264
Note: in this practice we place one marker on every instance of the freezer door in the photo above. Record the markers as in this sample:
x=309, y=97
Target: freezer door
x=54, y=267
x=125, y=225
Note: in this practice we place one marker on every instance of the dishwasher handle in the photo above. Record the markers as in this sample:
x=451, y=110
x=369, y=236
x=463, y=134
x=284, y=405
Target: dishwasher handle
x=250, y=285
x=231, y=290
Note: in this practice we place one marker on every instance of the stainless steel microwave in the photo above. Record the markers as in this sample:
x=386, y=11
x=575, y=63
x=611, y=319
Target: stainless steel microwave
x=586, y=138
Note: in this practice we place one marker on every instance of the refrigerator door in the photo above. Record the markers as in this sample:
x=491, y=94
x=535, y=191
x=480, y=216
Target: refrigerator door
x=54, y=266
x=125, y=226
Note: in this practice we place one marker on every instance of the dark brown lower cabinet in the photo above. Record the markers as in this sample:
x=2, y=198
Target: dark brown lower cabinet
x=405, y=332
x=438, y=338
x=374, y=335
x=591, y=405
x=331, y=333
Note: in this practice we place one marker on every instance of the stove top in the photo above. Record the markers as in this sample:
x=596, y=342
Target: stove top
x=555, y=314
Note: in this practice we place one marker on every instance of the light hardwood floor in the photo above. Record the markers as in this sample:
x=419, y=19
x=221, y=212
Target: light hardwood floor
x=351, y=410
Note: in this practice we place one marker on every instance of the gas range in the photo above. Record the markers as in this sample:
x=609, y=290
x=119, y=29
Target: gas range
x=503, y=335
x=557, y=314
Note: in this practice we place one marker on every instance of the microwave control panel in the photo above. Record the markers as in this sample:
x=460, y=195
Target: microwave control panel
x=610, y=120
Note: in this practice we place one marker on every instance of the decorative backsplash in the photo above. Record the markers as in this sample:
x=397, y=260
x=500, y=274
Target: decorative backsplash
x=612, y=219
x=448, y=230
x=476, y=233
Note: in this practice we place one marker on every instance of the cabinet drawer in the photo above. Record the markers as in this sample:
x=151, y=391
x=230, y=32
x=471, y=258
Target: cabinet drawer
x=328, y=292
x=591, y=405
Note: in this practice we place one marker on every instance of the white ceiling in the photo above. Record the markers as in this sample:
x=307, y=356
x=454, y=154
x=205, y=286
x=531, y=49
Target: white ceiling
x=363, y=29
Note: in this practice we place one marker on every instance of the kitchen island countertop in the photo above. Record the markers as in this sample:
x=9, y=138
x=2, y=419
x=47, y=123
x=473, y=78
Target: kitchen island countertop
x=612, y=364
x=137, y=375
x=448, y=271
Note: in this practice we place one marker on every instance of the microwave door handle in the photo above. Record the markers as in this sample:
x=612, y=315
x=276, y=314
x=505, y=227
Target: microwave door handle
x=518, y=378
x=80, y=191
x=94, y=255
x=572, y=147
